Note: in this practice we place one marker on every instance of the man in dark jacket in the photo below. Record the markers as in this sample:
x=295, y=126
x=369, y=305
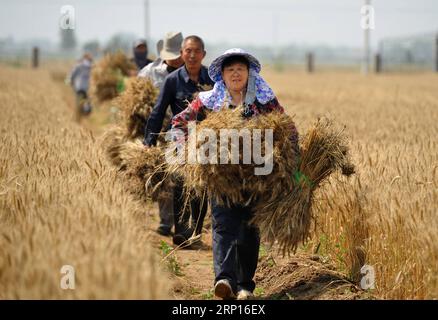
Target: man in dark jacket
x=178, y=90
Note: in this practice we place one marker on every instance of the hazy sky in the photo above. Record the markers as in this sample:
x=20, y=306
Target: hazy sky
x=271, y=22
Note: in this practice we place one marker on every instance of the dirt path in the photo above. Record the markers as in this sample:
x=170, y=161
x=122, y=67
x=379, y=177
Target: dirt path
x=301, y=276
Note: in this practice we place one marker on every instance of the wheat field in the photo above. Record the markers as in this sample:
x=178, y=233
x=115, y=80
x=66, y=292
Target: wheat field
x=387, y=215
x=62, y=204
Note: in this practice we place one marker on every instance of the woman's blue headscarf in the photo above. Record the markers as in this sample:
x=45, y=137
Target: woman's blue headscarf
x=257, y=88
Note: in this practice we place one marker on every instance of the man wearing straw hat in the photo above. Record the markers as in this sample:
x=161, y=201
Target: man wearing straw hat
x=179, y=88
x=235, y=242
x=169, y=50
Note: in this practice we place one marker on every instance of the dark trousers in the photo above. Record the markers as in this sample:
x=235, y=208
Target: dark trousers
x=83, y=106
x=165, y=207
x=235, y=246
x=196, y=208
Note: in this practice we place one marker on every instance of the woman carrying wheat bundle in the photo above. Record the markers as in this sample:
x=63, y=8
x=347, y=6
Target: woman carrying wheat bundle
x=238, y=86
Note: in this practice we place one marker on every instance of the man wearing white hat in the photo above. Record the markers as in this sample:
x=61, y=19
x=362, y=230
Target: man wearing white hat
x=169, y=59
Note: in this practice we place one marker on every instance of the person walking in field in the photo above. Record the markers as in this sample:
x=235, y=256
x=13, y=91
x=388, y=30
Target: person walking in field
x=79, y=79
x=178, y=90
x=140, y=54
x=235, y=242
x=168, y=61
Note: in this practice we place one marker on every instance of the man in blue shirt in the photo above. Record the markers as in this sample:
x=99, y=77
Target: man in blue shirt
x=178, y=91
x=179, y=87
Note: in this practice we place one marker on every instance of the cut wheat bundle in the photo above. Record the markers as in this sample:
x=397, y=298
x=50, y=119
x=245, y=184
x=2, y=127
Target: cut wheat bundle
x=238, y=183
x=143, y=167
x=108, y=76
x=286, y=217
x=136, y=104
x=282, y=198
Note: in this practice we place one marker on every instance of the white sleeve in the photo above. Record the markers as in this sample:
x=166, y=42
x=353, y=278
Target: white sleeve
x=144, y=73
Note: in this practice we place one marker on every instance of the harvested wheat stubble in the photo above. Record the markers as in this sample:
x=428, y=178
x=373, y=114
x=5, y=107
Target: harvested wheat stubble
x=107, y=76
x=282, y=198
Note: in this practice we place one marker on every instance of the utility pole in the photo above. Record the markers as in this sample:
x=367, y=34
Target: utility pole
x=35, y=57
x=147, y=22
x=309, y=62
x=377, y=63
x=274, y=37
x=436, y=53
x=378, y=58
x=367, y=24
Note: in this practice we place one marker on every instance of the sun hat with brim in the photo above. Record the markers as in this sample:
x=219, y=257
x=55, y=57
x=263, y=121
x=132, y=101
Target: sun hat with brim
x=215, y=69
x=256, y=88
x=171, y=46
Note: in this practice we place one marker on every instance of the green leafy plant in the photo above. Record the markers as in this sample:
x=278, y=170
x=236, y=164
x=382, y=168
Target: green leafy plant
x=172, y=261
